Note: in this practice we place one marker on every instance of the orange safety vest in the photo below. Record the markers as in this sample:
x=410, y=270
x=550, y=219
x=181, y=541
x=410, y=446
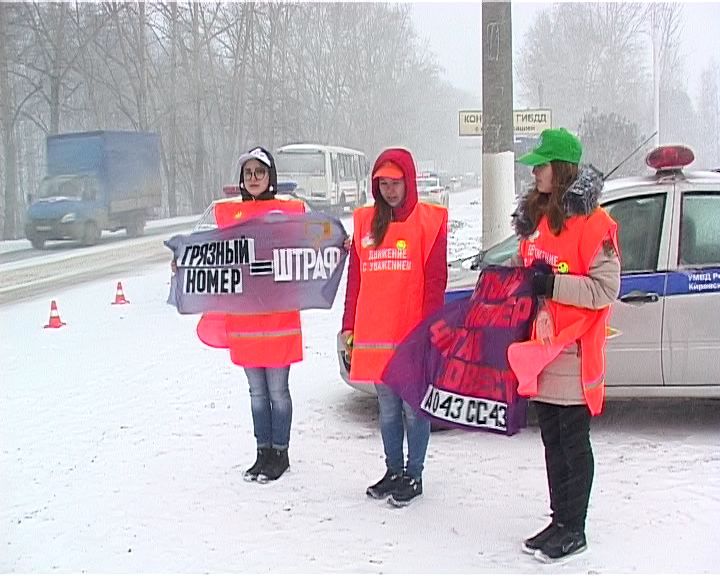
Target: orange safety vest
x=571, y=252
x=255, y=340
x=392, y=285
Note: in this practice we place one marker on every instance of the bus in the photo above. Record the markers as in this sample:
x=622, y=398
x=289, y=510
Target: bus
x=328, y=178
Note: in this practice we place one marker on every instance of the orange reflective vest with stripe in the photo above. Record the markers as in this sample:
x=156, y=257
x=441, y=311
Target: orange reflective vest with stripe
x=571, y=252
x=255, y=340
x=392, y=285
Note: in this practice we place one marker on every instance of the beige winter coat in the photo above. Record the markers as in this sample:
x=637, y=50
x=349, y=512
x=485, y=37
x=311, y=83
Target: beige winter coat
x=560, y=383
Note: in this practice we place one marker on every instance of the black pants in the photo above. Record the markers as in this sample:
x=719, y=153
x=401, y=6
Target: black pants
x=565, y=432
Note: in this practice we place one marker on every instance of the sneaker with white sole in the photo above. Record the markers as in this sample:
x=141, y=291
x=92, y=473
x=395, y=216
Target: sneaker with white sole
x=565, y=542
x=406, y=491
x=384, y=487
x=534, y=543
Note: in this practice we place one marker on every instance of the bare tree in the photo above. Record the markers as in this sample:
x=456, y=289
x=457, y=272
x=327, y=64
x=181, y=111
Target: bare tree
x=213, y=79
x=9, y=209
x=579, y=56
x=59, y=37
x=709, y=114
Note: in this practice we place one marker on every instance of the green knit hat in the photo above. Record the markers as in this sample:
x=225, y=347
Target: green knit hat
x=555, y=144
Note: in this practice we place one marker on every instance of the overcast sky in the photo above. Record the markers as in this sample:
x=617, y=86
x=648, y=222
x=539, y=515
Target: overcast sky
x=453, y=32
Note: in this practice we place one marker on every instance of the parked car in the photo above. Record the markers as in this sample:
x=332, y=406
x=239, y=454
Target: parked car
x=430, y=190
x=664, y=331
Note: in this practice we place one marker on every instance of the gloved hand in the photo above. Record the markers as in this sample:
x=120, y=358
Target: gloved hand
x=543, y=284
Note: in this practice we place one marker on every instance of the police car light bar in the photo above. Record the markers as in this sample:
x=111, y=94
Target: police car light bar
x=231, y=190
x=670, y=158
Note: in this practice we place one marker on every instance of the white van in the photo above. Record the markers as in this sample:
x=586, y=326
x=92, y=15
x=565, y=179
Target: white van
x=327, y=177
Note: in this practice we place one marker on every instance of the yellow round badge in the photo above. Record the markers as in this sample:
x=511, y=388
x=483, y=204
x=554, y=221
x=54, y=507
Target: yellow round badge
x=401, y=245
x=563, y=268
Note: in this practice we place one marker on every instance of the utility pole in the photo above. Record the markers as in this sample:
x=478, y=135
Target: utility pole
x=498, y=160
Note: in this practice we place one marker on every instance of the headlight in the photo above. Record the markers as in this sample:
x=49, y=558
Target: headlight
x=68, y=218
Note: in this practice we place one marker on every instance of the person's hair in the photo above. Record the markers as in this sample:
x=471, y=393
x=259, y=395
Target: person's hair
x=381, y=219
x=552, y=205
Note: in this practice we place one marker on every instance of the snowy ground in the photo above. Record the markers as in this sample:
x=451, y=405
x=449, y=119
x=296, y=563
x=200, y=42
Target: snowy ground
x=123, y=440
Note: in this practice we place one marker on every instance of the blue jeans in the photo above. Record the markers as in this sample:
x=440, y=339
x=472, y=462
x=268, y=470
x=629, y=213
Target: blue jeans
x=271, y=405
x=392, y=429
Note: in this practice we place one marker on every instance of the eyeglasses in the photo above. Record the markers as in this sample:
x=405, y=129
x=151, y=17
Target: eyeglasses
x=258, y=173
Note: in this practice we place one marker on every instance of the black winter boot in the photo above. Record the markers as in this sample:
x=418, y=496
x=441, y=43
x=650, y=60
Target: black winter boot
x=530, y=545
x=406, y=491
x=275, y=466
x=384, y=487
x=563, y=543
x=251, y=474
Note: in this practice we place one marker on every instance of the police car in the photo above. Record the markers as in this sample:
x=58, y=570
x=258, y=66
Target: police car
x=664, y=330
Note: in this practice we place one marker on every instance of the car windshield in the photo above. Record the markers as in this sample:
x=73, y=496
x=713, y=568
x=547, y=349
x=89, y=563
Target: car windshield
x=500, y=253
x=62, y=186
x=207, y=220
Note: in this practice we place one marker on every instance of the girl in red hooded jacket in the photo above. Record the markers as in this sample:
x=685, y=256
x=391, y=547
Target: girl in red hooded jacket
x=396, y=277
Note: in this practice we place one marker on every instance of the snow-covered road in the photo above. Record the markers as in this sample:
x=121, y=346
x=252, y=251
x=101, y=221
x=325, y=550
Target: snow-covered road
x=123, y=440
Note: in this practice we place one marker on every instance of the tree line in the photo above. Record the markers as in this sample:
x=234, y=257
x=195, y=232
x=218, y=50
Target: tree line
x=592, y=64
x=212, y=80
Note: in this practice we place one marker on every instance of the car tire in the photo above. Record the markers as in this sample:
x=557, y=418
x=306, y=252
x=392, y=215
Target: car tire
x=37, y=243
x=91, y=234
x=135, y=227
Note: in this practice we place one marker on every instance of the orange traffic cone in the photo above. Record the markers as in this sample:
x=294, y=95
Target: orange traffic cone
x=54, y=321
x=119, y=296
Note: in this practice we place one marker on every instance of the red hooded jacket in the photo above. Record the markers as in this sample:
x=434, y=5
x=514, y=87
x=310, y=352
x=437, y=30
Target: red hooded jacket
x=436, y=267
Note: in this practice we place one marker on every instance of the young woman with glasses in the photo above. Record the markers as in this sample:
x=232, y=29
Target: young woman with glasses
x=265, y=345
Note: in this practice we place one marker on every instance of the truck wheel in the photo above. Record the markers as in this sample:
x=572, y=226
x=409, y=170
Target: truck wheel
x=37, y=243
x=91, y=234
x=135, y=227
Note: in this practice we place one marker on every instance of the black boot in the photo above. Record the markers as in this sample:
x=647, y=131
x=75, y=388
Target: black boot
x=530, y=545
x=406, y=491
x=563, y=543
x=275, y=466
x=384, y=487
x=251, y=474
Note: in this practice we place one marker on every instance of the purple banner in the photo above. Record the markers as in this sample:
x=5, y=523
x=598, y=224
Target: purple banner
x=453, y=367
x=271, y=263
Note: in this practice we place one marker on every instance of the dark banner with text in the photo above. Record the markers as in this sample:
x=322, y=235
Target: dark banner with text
x=453, y=367
x=272, y=263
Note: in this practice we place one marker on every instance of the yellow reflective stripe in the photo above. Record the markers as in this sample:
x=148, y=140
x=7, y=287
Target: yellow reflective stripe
x=371, y=346
x=273, y=334
x=591, y=385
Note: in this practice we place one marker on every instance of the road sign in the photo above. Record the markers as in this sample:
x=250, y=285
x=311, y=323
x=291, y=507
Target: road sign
x=470, y=123
x=531, y=121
